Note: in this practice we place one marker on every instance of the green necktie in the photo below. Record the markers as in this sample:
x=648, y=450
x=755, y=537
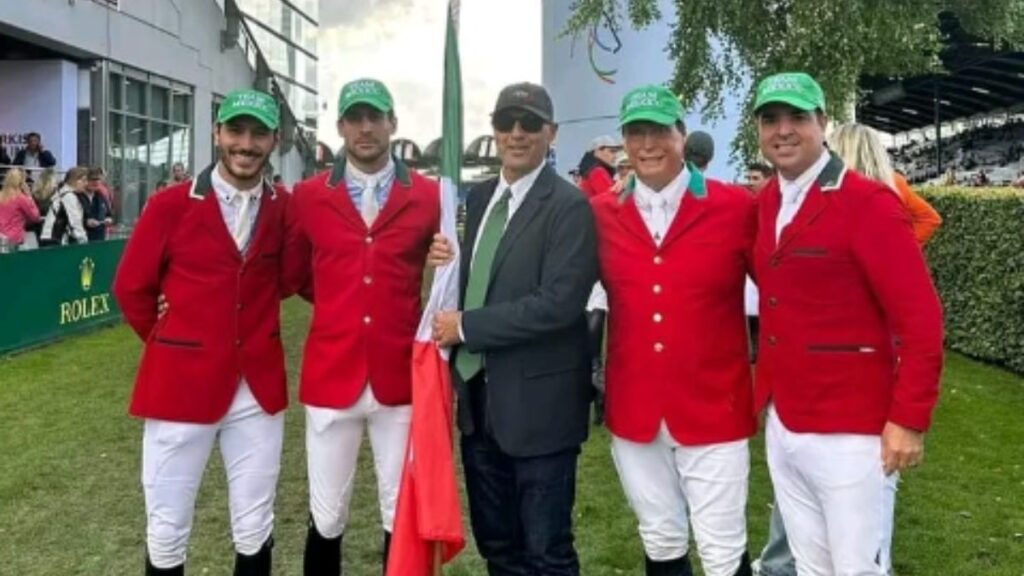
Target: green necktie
x=466, y=362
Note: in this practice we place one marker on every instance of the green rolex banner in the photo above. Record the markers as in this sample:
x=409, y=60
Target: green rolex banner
x=56, y=292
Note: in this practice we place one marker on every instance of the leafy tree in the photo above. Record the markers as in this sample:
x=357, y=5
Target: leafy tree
x=718, y=45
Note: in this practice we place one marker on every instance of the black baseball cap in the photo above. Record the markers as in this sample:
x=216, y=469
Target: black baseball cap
x=526, y=96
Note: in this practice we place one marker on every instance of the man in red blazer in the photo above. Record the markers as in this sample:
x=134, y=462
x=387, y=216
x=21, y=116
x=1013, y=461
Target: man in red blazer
x=361, y=236
x=674, y=250
x=213, y=367
x=851, y=337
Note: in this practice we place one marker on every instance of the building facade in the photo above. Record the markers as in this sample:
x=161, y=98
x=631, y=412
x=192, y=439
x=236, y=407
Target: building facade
x=134, y=86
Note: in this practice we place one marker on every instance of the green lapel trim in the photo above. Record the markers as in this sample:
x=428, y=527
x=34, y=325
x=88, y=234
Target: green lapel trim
x=697, y=186
x=202, y=184
x=831, y=178
x=402, y=175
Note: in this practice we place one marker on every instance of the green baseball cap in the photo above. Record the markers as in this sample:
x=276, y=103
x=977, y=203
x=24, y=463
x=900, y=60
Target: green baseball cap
x=796, y=89
x=365, y=91
x=651, y=103
x=255, y=103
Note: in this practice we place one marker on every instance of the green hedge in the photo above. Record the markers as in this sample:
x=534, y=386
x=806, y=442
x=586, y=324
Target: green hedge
x=977, y=260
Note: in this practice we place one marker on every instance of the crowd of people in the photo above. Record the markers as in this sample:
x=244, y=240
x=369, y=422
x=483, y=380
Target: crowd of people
x=49, y=210
x=991, y=155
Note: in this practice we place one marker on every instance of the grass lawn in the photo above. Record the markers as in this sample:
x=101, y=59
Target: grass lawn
x=70, y=500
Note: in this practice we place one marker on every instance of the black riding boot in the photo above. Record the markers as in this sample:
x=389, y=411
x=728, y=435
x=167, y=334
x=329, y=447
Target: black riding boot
x=323, y=555
x=257, y=564
x=677, y=567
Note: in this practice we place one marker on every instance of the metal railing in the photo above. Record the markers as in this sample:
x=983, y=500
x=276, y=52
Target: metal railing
x=292, y=132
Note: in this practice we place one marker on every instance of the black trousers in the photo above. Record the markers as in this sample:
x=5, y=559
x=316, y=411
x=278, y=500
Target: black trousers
x=520, y=508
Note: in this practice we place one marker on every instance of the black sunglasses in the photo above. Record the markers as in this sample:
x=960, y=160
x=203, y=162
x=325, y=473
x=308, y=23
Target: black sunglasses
x=506, y=122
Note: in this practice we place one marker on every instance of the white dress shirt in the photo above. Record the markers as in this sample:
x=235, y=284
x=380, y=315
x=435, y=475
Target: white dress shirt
x=519, y=189
x=239, y=213
x=658, y=208
x=357, y=182
x=795, y=191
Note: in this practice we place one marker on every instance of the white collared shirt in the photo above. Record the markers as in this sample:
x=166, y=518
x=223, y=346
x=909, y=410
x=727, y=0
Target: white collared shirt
x=357, y=181
x=229, y=199
x=795, y=191
x=671, y=195
x=519, y=189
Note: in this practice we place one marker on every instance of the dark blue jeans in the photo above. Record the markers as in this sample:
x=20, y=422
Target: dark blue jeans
x=521, y=508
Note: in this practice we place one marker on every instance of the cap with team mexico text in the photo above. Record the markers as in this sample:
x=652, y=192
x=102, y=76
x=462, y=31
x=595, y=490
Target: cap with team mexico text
x=255, y=103
x=797, y=89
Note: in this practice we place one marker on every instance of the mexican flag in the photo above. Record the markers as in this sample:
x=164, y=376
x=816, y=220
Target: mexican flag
x=428, y=523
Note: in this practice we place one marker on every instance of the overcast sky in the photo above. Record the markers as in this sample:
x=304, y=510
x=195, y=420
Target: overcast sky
x=401, y=42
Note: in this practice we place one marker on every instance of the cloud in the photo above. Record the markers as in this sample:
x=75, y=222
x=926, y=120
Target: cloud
x=401, y=42
x=349, y=13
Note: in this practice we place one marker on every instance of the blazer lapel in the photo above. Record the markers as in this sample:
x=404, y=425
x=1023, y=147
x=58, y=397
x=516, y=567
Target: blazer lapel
x=830, y=179
x=263, y=221
x=535, y=197
x=692, y=206
x=209, y=209
x=809, y=211
x=398, y=198
x=632, y=222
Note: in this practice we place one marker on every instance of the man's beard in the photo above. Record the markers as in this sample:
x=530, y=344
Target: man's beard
x=225, y=161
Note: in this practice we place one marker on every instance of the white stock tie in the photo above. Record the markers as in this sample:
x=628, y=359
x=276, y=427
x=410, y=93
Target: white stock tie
x=659, y=217
x=243, y=224
x=368, y=207
x=790, y=193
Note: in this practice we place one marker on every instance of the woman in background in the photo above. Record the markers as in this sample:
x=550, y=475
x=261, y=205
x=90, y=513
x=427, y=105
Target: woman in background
x=65, y=220
x=860, y=149
x=16, y=208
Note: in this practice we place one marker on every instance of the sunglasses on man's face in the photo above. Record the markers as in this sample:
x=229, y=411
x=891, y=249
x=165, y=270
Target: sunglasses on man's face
x=505, y=122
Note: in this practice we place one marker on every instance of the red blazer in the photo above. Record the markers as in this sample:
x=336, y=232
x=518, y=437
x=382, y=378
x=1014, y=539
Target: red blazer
x=365, y=285
x=223, y=321
x=596, y=182
x=851, y=326
x=677, y=340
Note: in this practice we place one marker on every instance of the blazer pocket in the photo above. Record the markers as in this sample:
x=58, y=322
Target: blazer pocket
x=175, y=343
x=810, y=252
x=842, y=348
x=271, y=255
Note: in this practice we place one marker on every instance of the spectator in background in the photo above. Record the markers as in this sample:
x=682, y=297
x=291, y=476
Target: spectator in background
x=65, y=220
x=33, y=156
x=596, y=168
x=178, y=173
x=42, y=194
x=5, y=160
x=98, y=213
x=16, y=208
x=623, y=167
x=860, y=149
x=699, y=149
x=758, y=174
x=278, y=184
